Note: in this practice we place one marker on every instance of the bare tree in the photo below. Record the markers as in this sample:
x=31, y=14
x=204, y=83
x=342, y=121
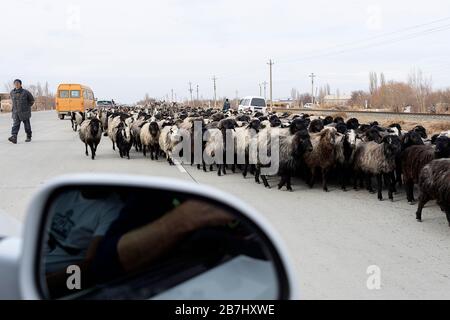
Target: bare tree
x=422, y=88
x=373, y=82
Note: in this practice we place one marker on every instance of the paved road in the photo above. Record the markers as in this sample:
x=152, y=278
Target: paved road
x=332, y=237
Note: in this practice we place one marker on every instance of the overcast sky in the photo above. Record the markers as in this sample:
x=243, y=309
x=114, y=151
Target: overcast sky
x=123, y=49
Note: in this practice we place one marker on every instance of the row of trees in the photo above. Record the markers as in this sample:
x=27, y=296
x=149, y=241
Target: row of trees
x=417, y=92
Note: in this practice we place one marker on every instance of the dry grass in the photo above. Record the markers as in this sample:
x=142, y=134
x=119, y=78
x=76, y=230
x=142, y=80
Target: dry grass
x=340, y=114
x=432, y=127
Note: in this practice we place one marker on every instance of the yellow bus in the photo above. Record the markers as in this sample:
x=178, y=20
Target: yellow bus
x=73, y=97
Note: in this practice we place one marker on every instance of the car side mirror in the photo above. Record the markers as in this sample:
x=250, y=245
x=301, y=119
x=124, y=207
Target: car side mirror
x=126, y=237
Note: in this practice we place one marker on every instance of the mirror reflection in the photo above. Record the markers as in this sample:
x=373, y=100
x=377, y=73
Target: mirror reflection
x=132, y=243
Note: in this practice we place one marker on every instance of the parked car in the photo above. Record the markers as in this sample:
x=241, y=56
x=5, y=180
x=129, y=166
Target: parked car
x=310, y=105
x=106, y=103
x=252, y=103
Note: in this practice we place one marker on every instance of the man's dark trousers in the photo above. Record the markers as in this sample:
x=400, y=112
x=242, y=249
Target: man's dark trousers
x=16, y=126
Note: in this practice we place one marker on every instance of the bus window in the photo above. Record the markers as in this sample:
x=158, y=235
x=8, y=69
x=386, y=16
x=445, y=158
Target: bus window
x=75, y=93
x=64, y=93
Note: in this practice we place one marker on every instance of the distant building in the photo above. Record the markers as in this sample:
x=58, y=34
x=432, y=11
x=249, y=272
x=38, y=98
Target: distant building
x=286, y=103
x=333, y=99
x=5, y=102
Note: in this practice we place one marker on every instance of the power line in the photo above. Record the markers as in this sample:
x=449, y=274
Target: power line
x=390, y=41
x=382, y=35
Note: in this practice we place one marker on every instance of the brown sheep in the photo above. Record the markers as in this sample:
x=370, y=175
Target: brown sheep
x=323, y=155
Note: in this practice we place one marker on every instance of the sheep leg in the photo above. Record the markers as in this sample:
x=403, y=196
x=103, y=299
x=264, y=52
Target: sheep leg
x=257, y=174
x=342, y=173
x=224, y=167
x=152, y=150
x=265, y=182
x=380, y=186
x=447, y=214
x=390, y=178
x=87, y=153
x=92, y=151
x=398, y=175
x=144, y=150
x=204, y=166
x=288, y=183
x=244, y=172
x=393, y=181
x=369, y=183
x=409, y=185
x=355, y=180
x=312, y=178
x=219, y=168
x=282, y=181
x=324, y=180
x=423, y=199
x=114, y=146
x=156, y=151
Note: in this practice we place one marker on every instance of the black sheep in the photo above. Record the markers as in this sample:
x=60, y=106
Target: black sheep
x=316, y=126
x=434, y=183
x=123, y=140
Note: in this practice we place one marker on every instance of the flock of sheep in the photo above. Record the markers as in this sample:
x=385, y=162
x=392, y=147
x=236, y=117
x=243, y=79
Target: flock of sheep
x=307, y=146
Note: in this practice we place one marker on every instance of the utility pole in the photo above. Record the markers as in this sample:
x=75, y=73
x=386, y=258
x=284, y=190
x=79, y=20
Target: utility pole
x=312, y=76
x=270, y=63
x=171, y=91
x=190, y=90
x=260, y=89
x=197, y=93
x=215, y=90
x=265, y=85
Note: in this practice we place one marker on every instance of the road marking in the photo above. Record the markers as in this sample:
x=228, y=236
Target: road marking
x=179, y=166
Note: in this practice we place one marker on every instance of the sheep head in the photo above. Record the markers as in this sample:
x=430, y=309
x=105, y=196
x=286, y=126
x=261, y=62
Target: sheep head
x=442, y=149
x=301, y=143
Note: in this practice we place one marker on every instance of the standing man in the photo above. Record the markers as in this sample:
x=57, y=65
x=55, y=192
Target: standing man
x=22, y=100
x=226, y=106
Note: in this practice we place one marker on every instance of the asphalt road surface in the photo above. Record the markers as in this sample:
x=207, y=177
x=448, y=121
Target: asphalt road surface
x=333, y=237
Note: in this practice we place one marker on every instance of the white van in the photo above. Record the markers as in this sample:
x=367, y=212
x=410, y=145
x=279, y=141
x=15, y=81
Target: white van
x=251, y=103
